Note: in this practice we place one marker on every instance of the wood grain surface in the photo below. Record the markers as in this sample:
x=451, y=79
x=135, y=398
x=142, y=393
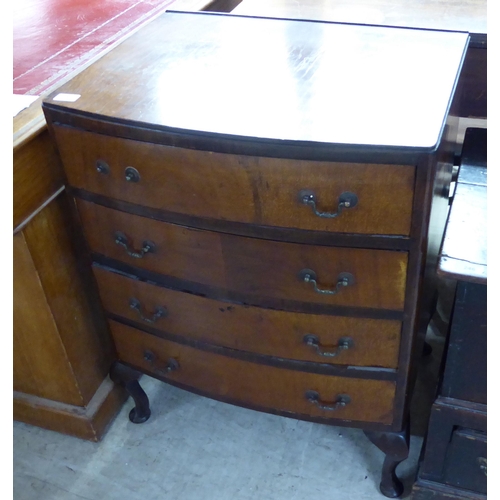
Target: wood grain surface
x=252, y=329
x=255, y=267
x=300, y=82
x=253, y=384
x=256, y=190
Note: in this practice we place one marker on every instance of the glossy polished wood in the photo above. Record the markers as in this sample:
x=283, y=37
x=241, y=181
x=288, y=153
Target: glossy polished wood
x=285, y=75
x=255, y=190
x=462, y=15
x=252, y=266
x=226, y=378
x=256, y=265
x=253, y=329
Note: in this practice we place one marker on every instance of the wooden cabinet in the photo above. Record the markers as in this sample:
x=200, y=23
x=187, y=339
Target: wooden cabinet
x=258, y=248
x=61, y=346
x=454, y=463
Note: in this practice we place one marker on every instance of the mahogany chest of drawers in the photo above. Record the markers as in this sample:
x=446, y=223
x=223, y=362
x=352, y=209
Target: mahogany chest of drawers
x=263, y=202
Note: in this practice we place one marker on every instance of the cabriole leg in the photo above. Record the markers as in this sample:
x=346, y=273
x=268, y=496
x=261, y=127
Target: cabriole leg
x=396, y=446
x=129, y=378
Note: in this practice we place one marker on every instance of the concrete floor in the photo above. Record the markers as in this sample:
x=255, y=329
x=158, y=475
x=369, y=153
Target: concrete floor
x=193, y=448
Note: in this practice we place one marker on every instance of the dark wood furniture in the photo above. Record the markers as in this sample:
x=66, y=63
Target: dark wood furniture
x=261, y=244
x=453, y=15
x=454, y=460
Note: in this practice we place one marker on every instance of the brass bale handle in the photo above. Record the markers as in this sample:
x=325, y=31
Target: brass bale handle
x=346, y=200
x=147, y=246
x=172, y=363
x=160, y=312
x=343, y=344
x=341, y=400
x=343, y=280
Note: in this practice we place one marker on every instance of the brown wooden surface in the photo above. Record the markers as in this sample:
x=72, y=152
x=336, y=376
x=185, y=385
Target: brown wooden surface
x=41, y=366
x=38, y=174
x=284, y=75
x=249, y=265
x=253, y=329
x=88, y=422
x=259, y=385
x=462, y=15
x=52, y=238
x=263, y=191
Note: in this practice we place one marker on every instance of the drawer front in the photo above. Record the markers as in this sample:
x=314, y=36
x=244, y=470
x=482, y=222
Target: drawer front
x=465, y=464
x=250, y=384
x=374, y=278
x=256, y=190
x=305, y=337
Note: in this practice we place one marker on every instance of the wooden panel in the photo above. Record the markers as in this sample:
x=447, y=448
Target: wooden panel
x=38, y=174
x=263, y=331
x=465, y=15
x=53, y=242
x=464, y=251
x=41, y=365
x=263, y=191
x=249, y=265
x=262, y=386
x=465, y=465
x=467, y=346
x=84, y=422
x=282, y=87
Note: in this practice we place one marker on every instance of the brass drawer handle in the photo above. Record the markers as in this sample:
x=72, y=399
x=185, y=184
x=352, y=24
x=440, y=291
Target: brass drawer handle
x=482, y=464
x=147, y=246
x=343, y=280
x=346, y=200
x=132, y=175
x=160, y=312
x=340, y=401
x=343, y=344
x=172, y=363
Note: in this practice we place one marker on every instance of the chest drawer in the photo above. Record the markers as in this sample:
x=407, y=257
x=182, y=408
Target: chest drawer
x=465, y=465
x=299, y=336
x=246, y=189
x=373, y=278
x=256, y=385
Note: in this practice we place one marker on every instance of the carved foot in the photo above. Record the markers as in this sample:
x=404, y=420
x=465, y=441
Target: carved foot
x=395, y=445
x=128, y=378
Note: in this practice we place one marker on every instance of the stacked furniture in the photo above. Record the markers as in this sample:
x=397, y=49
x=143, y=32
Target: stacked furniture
x=270, y=243
x=454, y=460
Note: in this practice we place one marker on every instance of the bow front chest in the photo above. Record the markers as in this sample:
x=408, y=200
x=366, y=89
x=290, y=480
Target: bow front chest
x=263, y=202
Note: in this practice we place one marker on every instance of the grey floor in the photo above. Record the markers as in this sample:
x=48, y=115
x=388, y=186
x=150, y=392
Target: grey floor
x=194, y=448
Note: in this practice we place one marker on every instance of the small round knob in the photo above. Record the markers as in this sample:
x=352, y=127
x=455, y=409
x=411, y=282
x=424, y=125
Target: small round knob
x=148, y=356
x=102, y=167
x=132, y=175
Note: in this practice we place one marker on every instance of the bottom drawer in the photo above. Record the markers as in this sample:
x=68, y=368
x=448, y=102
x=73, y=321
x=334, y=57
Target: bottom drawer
x=259, y=386
x=465, y=465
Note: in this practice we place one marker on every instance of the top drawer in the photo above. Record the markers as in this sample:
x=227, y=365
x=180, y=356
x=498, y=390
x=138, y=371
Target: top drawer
x=247, y=189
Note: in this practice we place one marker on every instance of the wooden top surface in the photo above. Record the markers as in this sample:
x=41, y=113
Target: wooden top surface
x=454, y=15
x=276, y=79
x=463, y=255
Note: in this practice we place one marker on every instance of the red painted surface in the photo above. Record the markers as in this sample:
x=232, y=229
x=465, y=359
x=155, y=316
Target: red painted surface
x=53, y=38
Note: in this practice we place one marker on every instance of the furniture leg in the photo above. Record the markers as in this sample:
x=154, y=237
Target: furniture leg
x=129, y=378
x=396, y=447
